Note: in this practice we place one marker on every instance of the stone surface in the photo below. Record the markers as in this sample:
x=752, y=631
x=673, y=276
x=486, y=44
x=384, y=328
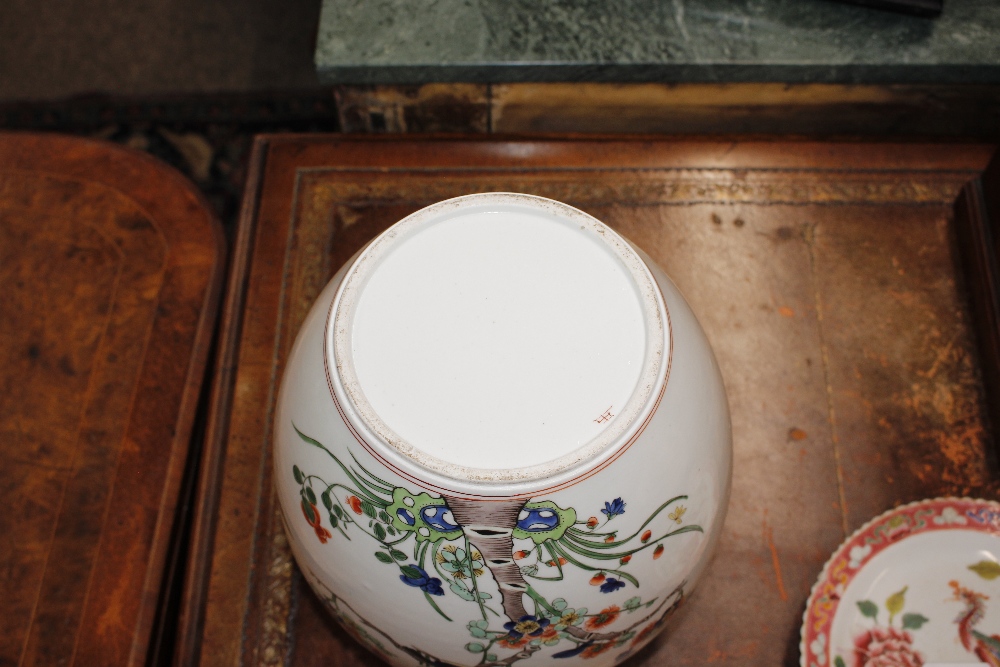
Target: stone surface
x=397, y=41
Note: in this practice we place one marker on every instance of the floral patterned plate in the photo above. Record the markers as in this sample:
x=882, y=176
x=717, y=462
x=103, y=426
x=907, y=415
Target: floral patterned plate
x=915, y=586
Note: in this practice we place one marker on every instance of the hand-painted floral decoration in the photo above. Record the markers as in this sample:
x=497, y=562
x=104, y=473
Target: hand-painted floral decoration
x=420, y=579
x=612, y=585
x=548, y=540
x=615, y=508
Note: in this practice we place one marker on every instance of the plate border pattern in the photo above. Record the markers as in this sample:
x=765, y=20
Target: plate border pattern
x=885, y=530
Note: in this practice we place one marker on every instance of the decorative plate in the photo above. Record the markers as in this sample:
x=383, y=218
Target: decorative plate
x=917, y=585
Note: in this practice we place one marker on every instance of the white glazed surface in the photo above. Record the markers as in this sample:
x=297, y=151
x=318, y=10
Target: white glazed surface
x=567, y=336
x=680, y=458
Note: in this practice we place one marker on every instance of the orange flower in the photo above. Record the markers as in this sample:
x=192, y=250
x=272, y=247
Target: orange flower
x=552, y=563
x=355, y=503
x=322, y=533
x=592, y=522
x=549, y=634
x=658, y=551
x=597, y=649
x=518, y=555
x=625, y=559
x=645, y=632
x=607, y=616
x=645, y=536
x=610, y=538
x=597, y=579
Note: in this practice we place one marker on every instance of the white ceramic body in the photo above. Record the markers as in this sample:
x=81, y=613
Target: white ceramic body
x=670, y=476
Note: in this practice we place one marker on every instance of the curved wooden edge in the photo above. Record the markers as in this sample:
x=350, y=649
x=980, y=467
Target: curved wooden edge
x=186, y=221
x=209, y=482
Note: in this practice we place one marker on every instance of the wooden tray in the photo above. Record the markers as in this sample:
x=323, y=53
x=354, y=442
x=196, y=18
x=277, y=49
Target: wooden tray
x=110, y=269
x=824, y=275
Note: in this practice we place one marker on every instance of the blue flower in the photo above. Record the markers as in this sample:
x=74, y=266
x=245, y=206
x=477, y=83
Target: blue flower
x=573, y=652
x=424, y=582
x=528, y=625
x=611, y=585
x=614, y=508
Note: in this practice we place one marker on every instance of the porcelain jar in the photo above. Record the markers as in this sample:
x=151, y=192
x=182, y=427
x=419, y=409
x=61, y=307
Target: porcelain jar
x=502, y=438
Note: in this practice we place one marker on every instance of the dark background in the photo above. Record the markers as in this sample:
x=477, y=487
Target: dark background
x=52, y=49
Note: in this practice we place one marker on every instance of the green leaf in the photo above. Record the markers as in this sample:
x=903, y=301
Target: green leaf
x=310, y=495
x=297, y=474
x=461, y=591
x=397, y=554
x=868, y=608
x=895, y=602
x=913, y=621
x=325, y=497
x=333, y=521
x=408, y=570
x=391, y=530
x=485, y=596
x=310, y=514
x=474, y=647
x=559, y=603
x=987, y=569
x=433, y=604
x=839, y=662
x=530, y=571
x=368, y=509
x=632, y=604
x=385, y=517
x=386, y=558
x=491, y=657
x=476, y=632
x=379, y=532
x=339, y=512
x=481, y=624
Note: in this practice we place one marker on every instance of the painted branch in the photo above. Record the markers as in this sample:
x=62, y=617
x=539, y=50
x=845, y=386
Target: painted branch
x=596, y=637
x=523, y=654
x=583, y=635
x=489, y=525
x=333, y=603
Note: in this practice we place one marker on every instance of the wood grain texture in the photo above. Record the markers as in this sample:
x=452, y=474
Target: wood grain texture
x=772, y=109
x=977, y=230
x=110, y=264
x=825, y=278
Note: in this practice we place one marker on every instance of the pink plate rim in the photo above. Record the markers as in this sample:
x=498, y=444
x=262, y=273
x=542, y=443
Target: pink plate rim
x=883, y=531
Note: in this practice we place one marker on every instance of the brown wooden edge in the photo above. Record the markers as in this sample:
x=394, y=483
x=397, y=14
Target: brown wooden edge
x=208, y=486
x=76, y=159
x=977, y=231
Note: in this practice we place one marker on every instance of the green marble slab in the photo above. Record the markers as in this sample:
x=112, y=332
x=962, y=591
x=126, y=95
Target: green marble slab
x=794, y=41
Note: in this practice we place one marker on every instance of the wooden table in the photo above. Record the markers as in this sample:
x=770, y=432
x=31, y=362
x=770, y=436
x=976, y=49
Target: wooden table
x=824, y=275
x=110, y=269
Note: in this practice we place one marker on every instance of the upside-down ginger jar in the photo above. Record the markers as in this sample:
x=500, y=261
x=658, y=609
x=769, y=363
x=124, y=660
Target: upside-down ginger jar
x=502, y=438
